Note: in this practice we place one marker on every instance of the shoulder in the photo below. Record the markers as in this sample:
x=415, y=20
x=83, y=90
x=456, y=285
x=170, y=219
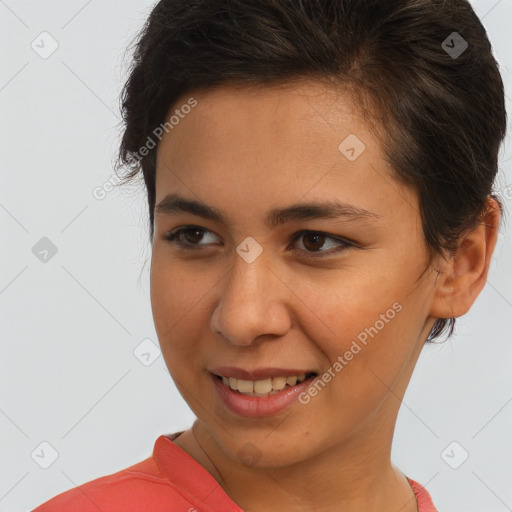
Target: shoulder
x=140, y=488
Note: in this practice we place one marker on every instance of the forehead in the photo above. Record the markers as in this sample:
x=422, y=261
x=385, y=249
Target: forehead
x=297, y=124
x=296, y=109
x=276, y=144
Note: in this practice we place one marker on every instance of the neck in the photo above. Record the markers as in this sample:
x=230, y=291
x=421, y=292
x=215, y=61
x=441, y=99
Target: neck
x=349, y=477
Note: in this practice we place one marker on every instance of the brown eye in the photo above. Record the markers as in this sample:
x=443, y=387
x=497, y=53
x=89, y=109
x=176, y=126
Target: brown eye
x=187, y=237
x=193, y=235
x=315, y=240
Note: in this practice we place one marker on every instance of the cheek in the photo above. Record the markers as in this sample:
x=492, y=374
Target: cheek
x=178, y=305
x=366, y=330
x=172, y=302
x=175, y=291
x=377, y=297
x=348, y=305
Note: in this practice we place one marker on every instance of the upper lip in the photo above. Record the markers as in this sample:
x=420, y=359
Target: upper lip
x=257, y=373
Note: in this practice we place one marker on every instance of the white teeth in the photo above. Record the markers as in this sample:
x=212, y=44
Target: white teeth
x=262, y=387
x=245, y=386
x=291, y=381
x=278, y=382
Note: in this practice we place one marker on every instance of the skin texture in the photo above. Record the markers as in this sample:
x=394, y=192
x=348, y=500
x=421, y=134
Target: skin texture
x=245, y=151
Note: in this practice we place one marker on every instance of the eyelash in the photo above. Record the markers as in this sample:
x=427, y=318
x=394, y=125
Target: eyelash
x=173, y=237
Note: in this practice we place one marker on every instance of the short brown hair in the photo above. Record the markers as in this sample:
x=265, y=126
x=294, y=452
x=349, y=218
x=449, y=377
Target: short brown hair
x=442, y=116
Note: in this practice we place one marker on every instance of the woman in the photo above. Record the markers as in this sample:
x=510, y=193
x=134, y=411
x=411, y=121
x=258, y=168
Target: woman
x=319, y=179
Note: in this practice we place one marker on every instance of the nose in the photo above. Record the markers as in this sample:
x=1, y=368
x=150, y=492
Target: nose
x=252, y=303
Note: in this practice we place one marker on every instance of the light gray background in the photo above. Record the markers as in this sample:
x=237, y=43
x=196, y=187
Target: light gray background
x=69, y=326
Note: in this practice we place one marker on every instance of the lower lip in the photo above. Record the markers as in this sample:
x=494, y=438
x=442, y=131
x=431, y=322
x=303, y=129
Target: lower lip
x=255, y=406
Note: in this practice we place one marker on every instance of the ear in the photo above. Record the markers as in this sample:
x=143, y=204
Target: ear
x=462, y=277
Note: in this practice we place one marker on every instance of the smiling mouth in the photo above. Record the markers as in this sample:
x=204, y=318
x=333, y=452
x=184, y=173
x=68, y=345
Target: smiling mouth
x=264, y=387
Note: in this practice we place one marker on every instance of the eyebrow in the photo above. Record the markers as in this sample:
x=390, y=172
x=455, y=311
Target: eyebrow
x=174, y=203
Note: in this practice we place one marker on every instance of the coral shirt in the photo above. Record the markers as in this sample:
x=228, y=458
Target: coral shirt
x=168, y=481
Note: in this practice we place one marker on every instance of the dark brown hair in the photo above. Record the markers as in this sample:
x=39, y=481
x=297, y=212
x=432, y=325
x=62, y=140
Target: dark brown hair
x=440, y=113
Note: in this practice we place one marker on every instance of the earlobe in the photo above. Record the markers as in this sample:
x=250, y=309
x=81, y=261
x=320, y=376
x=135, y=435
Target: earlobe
x=462, y=276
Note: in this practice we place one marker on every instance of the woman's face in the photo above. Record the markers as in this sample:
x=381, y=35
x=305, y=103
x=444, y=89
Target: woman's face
x=248, y=296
